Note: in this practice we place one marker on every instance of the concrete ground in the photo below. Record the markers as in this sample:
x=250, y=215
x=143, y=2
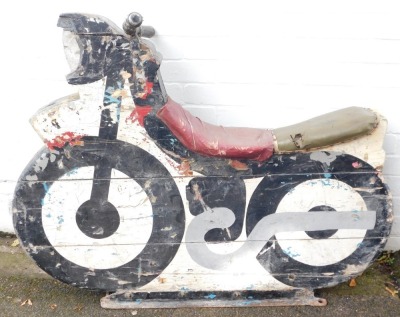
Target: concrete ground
x=26, y=291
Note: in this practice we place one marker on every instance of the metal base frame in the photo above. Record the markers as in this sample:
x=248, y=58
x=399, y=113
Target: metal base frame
x=185, y=299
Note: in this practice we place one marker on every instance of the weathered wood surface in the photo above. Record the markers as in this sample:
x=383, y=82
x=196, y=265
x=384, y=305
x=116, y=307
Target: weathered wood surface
x=155, y=210
x=115, y=202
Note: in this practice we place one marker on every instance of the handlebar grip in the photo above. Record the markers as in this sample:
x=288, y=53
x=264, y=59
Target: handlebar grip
x=132, y=26
x=147, y=31
x=132, y=23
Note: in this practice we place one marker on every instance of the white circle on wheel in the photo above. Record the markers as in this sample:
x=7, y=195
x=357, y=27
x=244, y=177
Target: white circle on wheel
x=321, y=192
x=61, y=203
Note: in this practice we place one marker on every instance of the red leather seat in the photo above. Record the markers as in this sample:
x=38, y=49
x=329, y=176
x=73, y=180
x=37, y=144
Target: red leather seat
x=213, y=140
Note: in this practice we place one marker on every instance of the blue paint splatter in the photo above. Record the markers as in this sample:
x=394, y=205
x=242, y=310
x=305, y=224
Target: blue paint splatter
x=138, y=301
x=355, y=214
x=290, y=253
x=60, y=219
x=46, y=189
x=210, y=296
x=326, y=182
x=72, y=172
x=108, y=98
x=327, y=175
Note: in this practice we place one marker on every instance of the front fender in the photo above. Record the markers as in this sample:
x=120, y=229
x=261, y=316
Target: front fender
x=77, y=114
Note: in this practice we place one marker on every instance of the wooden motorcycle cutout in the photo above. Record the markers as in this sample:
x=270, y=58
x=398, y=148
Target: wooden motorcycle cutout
x=134, y=195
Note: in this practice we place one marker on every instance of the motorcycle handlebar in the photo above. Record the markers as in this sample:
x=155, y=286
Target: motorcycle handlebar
x=132, y=26
x=147, y=31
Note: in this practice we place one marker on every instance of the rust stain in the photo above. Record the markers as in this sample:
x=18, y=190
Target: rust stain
x=237, y=165
x=184, y=168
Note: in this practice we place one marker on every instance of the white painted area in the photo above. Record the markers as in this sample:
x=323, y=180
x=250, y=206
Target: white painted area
x=321, y=192
x=258, y=64
x=59, y=211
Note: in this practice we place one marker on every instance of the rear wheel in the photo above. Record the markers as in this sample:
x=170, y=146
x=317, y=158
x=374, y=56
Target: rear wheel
x=320, y=182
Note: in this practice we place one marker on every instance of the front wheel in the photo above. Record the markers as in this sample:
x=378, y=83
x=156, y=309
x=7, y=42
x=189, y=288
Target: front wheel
x=129, y=244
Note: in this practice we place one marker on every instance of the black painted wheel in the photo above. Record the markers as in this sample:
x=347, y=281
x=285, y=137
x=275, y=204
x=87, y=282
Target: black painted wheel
x=128, y=248
x=328, y=182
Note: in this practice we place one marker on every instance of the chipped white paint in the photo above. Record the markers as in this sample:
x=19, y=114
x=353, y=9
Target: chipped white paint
x=77, y=113
x=321, y=192
x=62, y=201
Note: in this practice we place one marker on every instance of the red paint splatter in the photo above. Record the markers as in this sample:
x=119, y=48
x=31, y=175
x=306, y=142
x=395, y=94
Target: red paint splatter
x=148, y=88
x=67, y=137
x=138, y=114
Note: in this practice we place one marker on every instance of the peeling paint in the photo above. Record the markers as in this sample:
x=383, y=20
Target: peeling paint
x=166, y=229
x=184, y=168
x=323, y=157
x=297, y=140
x=41, y=164
x=31, y=177
x=67, y=137
x=355, y=269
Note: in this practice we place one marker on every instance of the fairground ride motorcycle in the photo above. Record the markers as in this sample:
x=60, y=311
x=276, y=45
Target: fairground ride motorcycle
x=132, y=194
